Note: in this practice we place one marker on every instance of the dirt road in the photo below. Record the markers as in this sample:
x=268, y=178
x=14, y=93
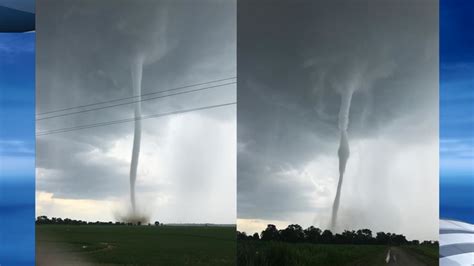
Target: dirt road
x=398, y=256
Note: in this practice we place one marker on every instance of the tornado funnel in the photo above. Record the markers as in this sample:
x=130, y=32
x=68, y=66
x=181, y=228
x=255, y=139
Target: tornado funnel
x=343, y=152
x=136, y=71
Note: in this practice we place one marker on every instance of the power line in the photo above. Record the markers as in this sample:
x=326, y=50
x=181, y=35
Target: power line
x=62, y=130
x=132, y=97
x=142, y=100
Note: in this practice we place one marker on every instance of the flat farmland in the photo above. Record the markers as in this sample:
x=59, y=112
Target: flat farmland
x=135, y=245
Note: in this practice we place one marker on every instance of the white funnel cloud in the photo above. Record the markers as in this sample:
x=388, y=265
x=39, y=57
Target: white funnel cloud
x=147, y=49
x=137, y=69
x=343, y=151
x=346, y=75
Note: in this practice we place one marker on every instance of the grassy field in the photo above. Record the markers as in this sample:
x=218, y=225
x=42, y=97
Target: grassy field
x=135, y=245
x=251, y=253
x=429, y=254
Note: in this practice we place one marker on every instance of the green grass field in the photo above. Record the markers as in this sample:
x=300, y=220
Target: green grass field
x=251, y=253
x=428, y=254
x=135, y=245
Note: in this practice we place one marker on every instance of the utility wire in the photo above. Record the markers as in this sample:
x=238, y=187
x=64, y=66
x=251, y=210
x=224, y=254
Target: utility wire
x=142, y=100
x=133, y=97
x=62, y=130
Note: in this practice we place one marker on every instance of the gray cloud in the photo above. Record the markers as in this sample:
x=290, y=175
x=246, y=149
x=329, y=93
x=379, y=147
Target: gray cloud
x=84, y=56
x=294, y=58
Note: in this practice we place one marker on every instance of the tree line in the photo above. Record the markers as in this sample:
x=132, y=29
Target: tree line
x=294, y=233
x=45, y=220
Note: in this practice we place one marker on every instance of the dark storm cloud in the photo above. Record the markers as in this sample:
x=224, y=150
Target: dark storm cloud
x=72, y=169
x=85, y=49
x=294, y=57
x=88, y=45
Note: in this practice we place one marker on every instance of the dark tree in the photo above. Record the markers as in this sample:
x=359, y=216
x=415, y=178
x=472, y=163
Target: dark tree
x=241, y=235
x=270, y=233
x=398, y=239
x=42, y=220
x=326, y=237
x=312, y=234
x=293, y=233
x=256, y=236
x=364, y=236
x=348, y=236
x=382, y=238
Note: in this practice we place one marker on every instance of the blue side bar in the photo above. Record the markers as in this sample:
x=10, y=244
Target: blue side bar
x=17, y=149
x=17, y=15
x=456, y=236
x=457, y=110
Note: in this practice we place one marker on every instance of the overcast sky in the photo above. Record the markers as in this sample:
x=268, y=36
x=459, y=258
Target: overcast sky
x=292, y=60
x=187, y=166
